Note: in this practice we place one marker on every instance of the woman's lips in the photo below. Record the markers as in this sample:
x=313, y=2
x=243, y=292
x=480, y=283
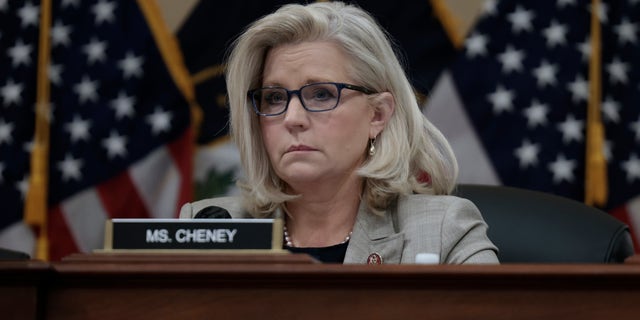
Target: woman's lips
x=300, y=148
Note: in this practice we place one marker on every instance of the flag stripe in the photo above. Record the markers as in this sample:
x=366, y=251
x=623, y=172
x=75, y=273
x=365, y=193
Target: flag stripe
x=633, y=213
x=18, y=236
x=83, y=212
x=158, y=181
x=446, y=111
x=121, y=199
x=178, y=148
x=62, y=241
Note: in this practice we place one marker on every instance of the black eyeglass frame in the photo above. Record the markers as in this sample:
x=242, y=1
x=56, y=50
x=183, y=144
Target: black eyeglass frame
x=290, y=93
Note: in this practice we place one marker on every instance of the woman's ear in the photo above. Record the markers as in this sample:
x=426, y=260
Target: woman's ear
x=384, y=105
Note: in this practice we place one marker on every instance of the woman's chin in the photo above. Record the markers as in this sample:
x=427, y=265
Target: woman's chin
x=301, y=176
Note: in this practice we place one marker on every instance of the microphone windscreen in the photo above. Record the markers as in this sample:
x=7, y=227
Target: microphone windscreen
x=213, y=212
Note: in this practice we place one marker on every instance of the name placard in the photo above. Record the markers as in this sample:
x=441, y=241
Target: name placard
x=193, y=234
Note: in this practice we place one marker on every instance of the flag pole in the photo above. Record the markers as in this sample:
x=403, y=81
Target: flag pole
x=35, y=212
x=596, y=186
x=450, y=23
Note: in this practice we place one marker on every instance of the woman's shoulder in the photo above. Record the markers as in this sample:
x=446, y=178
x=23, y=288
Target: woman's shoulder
x=431, y=203
x=423, y=208
x=231, y=204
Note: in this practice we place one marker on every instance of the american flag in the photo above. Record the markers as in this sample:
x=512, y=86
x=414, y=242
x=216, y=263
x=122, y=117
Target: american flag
x=120, y=133
x=514, y=103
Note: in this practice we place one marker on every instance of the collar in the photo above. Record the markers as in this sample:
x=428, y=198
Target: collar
x=374, y=238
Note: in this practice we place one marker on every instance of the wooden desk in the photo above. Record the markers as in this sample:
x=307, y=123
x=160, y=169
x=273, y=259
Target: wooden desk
x=199, y=287
x=294, y=287
x=21, y=284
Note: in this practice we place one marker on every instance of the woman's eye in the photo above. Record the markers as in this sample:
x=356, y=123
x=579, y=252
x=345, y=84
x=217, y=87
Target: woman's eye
x=322, y=94
x=275, y=98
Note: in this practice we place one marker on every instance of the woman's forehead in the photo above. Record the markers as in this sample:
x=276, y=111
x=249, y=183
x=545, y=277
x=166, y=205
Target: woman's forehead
x=305, y=62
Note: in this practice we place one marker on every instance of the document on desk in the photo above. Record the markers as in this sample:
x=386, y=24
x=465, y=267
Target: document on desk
x=193, y=235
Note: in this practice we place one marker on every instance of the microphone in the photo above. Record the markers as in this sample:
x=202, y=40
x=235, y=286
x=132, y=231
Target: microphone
x=213, y=212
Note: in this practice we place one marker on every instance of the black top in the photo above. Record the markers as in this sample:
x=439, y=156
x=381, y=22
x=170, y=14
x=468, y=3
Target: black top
x=332, y=254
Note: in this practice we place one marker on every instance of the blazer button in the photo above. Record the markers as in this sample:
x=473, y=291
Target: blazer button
x=374, y=258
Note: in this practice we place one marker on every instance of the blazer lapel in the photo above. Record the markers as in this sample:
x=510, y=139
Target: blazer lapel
x=373, y=234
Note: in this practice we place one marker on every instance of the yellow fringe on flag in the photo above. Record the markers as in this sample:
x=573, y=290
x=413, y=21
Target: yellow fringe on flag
x=596, y=185
x=172, y=56
x=449, y=22
x=35, y=208
x=169, y=49
x=208, y=73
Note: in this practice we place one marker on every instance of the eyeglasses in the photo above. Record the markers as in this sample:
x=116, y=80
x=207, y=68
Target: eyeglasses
x=315, y=97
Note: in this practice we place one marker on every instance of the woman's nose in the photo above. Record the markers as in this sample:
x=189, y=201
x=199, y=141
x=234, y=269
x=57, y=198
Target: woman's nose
x=296, y=114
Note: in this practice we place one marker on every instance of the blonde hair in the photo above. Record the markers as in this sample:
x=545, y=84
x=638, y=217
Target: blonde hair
x=409, y=147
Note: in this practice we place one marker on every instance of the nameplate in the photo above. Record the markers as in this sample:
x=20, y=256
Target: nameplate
x=193, y=234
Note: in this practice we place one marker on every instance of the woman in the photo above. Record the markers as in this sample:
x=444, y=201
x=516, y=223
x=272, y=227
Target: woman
x=331, y=135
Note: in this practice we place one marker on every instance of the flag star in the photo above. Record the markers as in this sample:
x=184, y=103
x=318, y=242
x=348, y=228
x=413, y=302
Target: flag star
x=123, y=106
x=70, y=168
x=489, y=7
x=103, y=11
x=66, y=3
x=606, y=150
x=27, y=146
x=579, y=89
x=501, y=100
x=20, y=53
x=611, y=110
x=131, y=65
x=618, y=71
x=60, y=34
x=556, y=34
x=603, y=11
x=635, y=127
x=571, y=129
x=29, y=14
x=476, y=45
x=159, y=120
x=546, y=74
x=585, y=48
x=23, y=186
x=632, y=168
x=564, y=3
x=536, y=114
x=562, y=169
x=115, y=145
x=11, y=93
x=521, y=20
x=95, y=50
x=5, y=132
x=626, y=31
x=527, y=153
x=78, y=129
x=511, y=59
x=55, y=71
x=86, y=90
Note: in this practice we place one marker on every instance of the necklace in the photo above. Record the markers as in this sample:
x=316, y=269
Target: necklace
x=289, y=242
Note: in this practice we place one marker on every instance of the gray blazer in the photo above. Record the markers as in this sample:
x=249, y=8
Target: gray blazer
x=450, y=227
